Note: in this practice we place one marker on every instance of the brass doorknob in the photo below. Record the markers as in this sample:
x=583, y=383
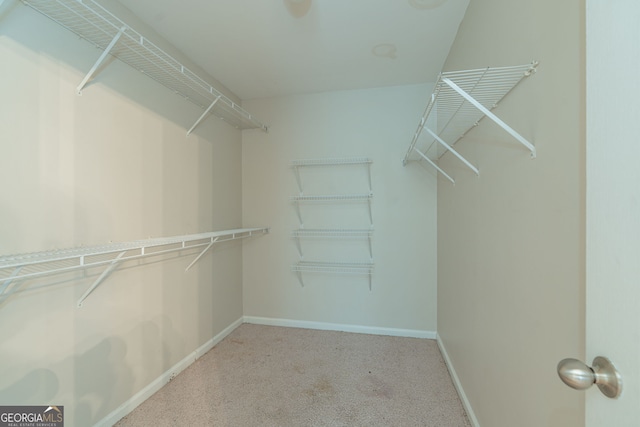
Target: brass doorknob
x=576, y=374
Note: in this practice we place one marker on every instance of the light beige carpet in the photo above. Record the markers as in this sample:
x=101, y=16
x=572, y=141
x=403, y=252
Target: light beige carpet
x=270, y=376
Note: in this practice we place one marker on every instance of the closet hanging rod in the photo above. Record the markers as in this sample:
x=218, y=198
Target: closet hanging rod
x=97, y=25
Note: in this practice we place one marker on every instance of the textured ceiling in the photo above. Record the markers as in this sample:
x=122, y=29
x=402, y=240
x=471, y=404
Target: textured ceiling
x=266, y=48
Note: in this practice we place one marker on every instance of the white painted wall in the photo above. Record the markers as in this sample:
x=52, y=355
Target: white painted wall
x=111, y=165
x=378, y=124
x=511, y=261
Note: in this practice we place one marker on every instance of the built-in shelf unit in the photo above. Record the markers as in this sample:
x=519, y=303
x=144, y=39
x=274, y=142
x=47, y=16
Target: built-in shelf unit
x=108, y=33
x=459, y=101
x=16, y=268
x=305, y=266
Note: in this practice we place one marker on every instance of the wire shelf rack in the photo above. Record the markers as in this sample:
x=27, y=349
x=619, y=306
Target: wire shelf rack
x=14, y=268
x=332, y=234
x=332, y=267
x=332, y=161
x=460, y=100
x=330, y=198
x=100, y=27
x=346, y=161
x=334, y=197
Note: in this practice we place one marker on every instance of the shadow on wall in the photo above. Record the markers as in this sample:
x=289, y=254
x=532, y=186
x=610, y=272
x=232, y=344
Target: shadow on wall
x=93, y=383
x=87, y=382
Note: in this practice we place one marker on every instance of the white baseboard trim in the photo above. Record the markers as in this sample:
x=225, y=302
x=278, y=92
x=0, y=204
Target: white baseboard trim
x=372, y=330
x=163, y=379
x=456, y=382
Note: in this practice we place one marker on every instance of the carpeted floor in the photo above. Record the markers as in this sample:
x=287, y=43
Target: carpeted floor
x=270, y=376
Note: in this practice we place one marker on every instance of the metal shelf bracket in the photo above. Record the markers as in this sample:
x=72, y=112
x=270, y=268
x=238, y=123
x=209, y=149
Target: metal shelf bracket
x=5, y=285
x=455, y=153
x=100, y=60
x=213, y=240
x=492, y=116
x=105, y=273
x=203, y=115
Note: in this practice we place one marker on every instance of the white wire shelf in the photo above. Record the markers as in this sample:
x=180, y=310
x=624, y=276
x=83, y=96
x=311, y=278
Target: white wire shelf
x=460, y=100
x=14, y=268
x=332, y=161
x=346, y=161
x=332, y=234
x=332, y=267
x=100, y=27
x=332, y=198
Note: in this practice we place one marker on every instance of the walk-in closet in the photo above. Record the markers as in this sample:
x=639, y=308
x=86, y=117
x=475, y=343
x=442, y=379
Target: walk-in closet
x=293, y=212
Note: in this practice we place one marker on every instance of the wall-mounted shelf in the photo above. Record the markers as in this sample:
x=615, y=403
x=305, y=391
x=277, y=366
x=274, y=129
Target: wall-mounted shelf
x=297, y=164
x=332, y=267
x=14, y=268
x=459, y=101
x=98, y=26
x=333, y=198
x=332, y=234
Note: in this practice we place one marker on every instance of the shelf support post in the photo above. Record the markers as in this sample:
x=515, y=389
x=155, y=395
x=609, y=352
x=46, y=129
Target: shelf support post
x=202, y=253
x=103, y=276
x=492, y=116
x=203, y=115
x=99, y=61
x=450, y=148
